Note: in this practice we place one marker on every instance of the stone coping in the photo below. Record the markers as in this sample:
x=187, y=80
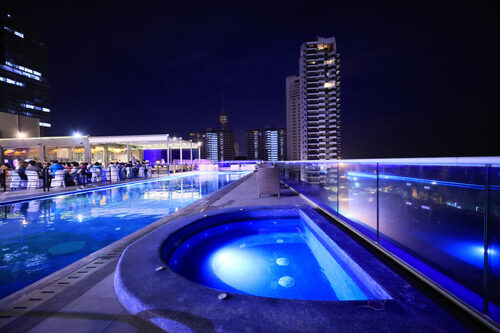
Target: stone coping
x=177, y=304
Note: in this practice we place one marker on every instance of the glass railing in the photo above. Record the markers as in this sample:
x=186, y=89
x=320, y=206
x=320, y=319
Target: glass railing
x=440, y=216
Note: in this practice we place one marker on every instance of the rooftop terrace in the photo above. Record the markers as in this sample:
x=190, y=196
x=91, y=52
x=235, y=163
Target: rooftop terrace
x=409, y=215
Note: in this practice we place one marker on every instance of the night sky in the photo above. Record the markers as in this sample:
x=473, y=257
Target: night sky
x=416, y=80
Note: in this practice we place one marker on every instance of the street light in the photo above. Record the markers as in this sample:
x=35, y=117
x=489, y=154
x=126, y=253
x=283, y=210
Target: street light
x=77, y=135
x=21, y=135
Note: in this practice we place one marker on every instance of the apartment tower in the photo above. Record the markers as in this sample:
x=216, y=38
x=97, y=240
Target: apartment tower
x=293, y=125
x=319, y=101
x=266, y=144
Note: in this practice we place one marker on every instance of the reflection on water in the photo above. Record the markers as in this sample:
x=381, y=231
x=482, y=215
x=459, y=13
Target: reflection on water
x=39, y=237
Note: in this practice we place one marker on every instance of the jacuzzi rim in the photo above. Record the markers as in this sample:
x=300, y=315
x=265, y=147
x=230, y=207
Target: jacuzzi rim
x=142, y=266
x=196, y=225
x=306, y=214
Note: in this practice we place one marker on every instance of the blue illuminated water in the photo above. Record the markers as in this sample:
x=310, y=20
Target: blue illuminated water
x=38, y=237
x=278, y=258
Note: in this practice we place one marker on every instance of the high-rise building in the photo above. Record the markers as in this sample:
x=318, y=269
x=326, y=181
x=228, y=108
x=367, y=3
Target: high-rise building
x=293, y=125
x=267, y=144
x=24, y=87
x=216, y=145
x=319, y=101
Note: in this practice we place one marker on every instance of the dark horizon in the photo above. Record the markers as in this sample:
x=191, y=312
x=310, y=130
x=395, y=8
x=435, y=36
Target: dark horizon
x=416, y=80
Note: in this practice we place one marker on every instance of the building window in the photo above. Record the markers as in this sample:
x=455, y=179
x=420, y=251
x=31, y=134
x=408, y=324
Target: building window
x=17, y=83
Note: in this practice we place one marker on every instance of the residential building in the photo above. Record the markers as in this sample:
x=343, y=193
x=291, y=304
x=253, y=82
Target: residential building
x=293, y=124
x=24, y=88
x=318, y=126
x=267, y=144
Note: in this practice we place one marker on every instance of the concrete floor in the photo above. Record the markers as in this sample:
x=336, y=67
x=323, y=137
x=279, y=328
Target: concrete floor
x=90, y=305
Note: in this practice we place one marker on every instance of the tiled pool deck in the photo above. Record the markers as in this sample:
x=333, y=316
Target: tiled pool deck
x=81, y=297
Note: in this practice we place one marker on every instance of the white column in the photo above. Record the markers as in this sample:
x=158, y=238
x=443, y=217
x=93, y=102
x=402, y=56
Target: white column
x=191, y=151
x=199, y=153
x=180, y=148
x=168, y=149
x=105, y=158
x=87, y=148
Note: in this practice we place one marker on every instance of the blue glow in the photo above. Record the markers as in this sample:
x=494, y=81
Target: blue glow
x=17, y=83
x=278, y=258
x=411, y=179
x=34, y=107
x=21, y=70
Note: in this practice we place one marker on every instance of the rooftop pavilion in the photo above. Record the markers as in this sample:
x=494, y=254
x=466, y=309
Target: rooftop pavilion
x=100, y=148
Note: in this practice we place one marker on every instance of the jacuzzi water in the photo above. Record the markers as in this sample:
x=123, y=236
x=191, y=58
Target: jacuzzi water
x=280, y=258
x=38, y=237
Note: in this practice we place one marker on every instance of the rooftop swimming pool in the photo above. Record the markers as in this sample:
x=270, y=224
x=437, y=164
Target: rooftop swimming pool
x=39, y=237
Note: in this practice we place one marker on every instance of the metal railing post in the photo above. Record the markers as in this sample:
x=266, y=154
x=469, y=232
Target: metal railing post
x=338, y=188
x=486, y=238
x=378, y=206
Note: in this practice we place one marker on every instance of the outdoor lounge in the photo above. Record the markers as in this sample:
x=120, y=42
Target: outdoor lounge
x=101, y=149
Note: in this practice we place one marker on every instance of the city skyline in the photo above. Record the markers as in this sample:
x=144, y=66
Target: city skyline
x=401, y=94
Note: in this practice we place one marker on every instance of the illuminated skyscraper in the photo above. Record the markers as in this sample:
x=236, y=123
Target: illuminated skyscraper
x=24, y=88
x=319, y=100
x=216, y=145
x=267, y=144
x=293, y=125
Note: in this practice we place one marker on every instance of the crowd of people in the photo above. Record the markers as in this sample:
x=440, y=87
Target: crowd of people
x=77, y=173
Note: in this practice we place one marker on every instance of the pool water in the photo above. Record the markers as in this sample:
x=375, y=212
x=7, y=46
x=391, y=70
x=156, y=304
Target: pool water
x=39, y=237
x=280, y=258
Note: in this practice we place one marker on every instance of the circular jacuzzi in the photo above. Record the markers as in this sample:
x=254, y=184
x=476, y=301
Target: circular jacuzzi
x=219, y=265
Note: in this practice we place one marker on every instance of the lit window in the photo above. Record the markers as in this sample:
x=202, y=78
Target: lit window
x=14, y=32
x=329, y=84
x=21, y=70
x=45, y=124
x=45, y=110
x=3, y=79
x=322, y=46
x=328, y=62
